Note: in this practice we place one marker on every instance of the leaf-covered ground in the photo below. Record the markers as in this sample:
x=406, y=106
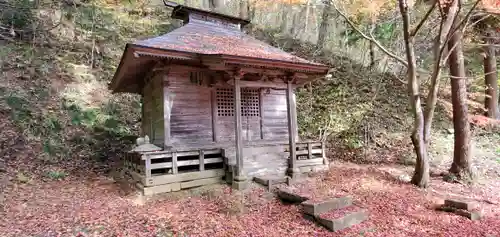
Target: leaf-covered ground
x=96, y=206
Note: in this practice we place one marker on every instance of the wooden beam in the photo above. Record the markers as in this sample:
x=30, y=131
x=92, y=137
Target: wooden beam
x=292, y=127
x=260, y=84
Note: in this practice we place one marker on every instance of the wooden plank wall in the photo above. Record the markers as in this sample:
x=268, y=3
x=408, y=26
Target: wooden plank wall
x=274, y=114
x=191, y=117
x=152, y=123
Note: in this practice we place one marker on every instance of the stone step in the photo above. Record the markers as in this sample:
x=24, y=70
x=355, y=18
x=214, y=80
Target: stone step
x=340, y=219
x=459, y=204
x=289, y=196
x=317, y=207
x=271, y=181
x=465, y=209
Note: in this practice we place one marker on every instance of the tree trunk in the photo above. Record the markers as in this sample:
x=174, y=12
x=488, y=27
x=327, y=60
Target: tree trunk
x=421, y=175
x=372, y=45
x=439, y=51
x=461, y=165
x=490, y=78
x=323, y=27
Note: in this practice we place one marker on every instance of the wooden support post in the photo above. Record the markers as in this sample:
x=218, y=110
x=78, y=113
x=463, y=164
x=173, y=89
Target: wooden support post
x=167, y=111
x=174, y=163
x=213, y=100
x=202, y=160
x=148, y=168
x=239, y=177
x=309, y=150
x=293, y=170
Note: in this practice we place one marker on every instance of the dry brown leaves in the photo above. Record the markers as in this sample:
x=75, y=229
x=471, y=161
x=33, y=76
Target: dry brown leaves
x=96, y=207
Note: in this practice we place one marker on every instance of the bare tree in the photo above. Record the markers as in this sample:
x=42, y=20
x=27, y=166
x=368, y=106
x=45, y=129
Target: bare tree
x=421, y=174
x=450, y=26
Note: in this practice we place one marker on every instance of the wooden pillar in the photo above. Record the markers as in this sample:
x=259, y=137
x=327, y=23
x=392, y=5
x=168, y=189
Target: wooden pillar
x=239, y=181
x=293, y=170
x=168, y=100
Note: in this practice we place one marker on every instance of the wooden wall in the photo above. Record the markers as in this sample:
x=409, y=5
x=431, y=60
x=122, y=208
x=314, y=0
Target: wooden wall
x=200, y=118
x=152, y=109
x=191, y=114
x=274, y=114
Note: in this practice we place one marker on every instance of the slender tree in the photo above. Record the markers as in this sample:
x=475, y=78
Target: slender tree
x=491, y=101
x=461, y=166
x=324, y=25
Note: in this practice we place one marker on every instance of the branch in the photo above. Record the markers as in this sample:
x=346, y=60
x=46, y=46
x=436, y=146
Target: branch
x=466, y=19
x=7, y=38
x=421, y=23
x=392, y=55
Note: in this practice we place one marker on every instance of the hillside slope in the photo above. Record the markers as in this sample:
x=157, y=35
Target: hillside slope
x=59, y=118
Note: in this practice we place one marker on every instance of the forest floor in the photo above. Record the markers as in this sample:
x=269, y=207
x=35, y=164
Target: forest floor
x=97, y=206
x=60, y=129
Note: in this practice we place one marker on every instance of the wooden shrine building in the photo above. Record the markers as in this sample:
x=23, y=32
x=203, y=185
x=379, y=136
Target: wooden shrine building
x=216, y=102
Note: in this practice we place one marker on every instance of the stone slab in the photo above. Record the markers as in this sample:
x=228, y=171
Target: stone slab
x=472, y=215
x=346, y=221
x=459, y=204
x=318, y=207
x=240, y=185
x=264, y=180
x=289, y=196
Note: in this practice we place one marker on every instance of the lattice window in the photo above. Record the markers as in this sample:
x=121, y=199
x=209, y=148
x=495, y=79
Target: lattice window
x=250, y=102
x=250, y=106
x=225, y=102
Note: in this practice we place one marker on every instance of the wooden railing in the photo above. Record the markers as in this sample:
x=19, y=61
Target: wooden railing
x=149, y=167
x=310, y=153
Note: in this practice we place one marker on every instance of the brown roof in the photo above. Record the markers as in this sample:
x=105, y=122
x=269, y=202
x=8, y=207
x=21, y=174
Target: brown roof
x=196, y=37
x=205, y=35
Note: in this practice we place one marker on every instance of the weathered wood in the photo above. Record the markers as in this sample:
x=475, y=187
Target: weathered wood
x=165, y=188
x=238, y=128
x=292, y=125
x=319, y=207
x=167, y=111
x=309, y=153
x=201, y=182
x=310, y=162
x=148, y=168
x=202, y=160
x=260, y=84
x=185, y=163
x=165, y=179
x=261, y=120
x=213, y=101
x=168, y=154
x=175, y=163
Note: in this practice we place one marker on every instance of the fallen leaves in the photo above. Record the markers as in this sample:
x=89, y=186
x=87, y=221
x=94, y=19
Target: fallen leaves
x=71, y=206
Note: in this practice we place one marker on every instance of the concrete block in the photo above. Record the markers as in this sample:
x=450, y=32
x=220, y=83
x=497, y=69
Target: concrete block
x=346, y=221
x=316, y=208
